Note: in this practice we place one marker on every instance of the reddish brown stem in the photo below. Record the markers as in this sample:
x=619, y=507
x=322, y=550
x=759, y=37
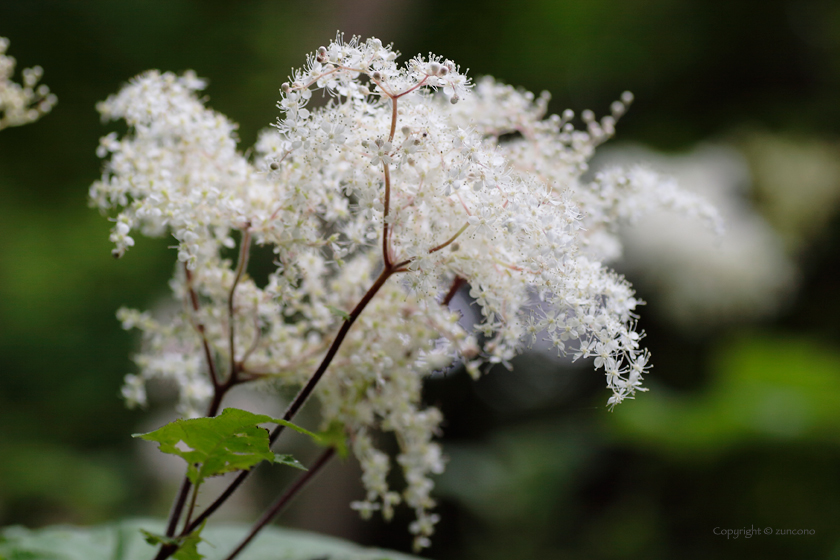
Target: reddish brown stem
x=386, y=250
x=325, y=363
x=192, y=506
x=241, y=266
x=281, y=502
x=393, y=119
x=208, y=353
x=453, y=289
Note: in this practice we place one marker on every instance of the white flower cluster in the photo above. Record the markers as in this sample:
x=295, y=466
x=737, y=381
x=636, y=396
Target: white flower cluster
x=405, y=172
x=21, y=104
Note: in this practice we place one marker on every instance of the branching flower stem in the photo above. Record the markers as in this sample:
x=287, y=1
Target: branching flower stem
x=306, y=391
x=291, y=411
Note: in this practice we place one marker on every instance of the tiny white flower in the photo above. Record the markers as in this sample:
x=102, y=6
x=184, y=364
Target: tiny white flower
x=381, y=152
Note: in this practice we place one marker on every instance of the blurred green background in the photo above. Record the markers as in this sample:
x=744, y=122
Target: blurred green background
x=741, y=427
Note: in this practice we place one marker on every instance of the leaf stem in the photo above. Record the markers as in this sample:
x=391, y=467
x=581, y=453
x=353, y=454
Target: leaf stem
x=177, y=508
x=192, y=506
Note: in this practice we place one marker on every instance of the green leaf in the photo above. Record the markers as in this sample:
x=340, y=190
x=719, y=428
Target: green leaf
x=297, y=428
x=155, y=539
x=334, y=436
x=189, y=548
x=211, y=446
x=289, y=461
x=229, y=442
x=123, y=541
x=339, y=312
x=187, y=545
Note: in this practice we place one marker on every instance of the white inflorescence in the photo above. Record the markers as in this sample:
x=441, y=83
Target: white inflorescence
x=21, y=104
x=406, y=166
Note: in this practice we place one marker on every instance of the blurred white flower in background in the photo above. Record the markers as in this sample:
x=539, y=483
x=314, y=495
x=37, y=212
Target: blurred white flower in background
x=694, y=277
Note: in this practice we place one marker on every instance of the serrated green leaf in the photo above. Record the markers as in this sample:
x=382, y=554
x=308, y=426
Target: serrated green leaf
x=155, y=539
x=296, y=428
x=333, y=436
x=229, y=442
x=338, y=312
x=287, y=460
